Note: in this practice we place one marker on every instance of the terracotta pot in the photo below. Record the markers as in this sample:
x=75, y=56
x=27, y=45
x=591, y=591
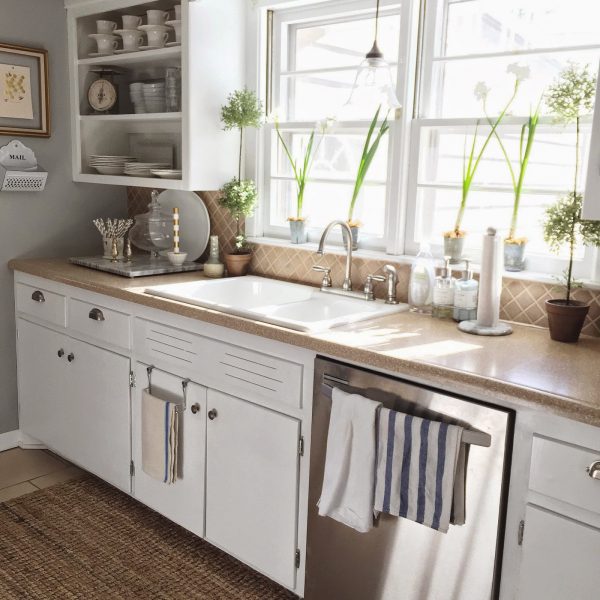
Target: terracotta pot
x=566, y=320
x=237, y=264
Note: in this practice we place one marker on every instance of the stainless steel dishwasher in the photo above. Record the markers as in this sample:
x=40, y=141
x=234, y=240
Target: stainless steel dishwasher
x=400, y=559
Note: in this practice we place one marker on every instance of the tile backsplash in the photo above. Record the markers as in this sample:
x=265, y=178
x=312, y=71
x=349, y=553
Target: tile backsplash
x=521, y=301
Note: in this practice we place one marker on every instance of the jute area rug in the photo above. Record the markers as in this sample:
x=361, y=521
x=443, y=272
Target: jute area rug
x=85, y=539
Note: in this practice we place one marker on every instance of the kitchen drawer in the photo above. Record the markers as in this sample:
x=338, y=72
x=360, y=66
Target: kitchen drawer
x=248, y=374
x=558, y=470
x=41, y=304
x=100, y=323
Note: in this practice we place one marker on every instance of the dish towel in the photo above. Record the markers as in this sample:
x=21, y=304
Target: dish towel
x=349, y=478
x=160, y=432
x=416, y=469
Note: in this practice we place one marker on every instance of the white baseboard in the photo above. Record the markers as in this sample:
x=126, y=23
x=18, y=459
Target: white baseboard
x=18, y=439
x=9, y=440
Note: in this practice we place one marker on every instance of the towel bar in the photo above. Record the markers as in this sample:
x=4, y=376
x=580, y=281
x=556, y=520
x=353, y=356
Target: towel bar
x=469, y=436
x=184, y=384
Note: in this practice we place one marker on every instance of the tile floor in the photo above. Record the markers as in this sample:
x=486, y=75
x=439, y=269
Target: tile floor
x=25, y=471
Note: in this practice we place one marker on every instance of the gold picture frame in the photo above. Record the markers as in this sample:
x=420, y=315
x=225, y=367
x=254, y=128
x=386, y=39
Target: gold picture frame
x=24, y=91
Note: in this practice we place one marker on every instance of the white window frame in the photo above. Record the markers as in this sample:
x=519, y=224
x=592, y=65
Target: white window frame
x=585, y=268
x=331, y=12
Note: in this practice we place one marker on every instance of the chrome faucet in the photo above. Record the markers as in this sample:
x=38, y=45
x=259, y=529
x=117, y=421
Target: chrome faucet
x=392, y=281
x=347, y=237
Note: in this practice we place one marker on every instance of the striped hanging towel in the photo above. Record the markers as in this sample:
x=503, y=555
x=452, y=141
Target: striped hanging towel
x=416, y=467
x=160, y=433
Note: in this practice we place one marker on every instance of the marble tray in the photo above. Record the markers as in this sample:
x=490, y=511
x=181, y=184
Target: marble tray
x=140, y=266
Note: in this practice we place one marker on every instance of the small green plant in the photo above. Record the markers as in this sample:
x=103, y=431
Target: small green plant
x=239, y=196
x=368, y=154
x=300, y=170
x=471, y=163
x=569, y=98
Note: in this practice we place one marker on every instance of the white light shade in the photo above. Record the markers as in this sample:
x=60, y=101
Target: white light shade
x=374, y=86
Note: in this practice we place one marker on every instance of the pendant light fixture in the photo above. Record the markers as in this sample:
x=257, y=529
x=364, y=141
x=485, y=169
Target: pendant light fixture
x=374, y=84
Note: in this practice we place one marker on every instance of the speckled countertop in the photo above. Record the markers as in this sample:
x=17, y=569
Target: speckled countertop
x=525, y=367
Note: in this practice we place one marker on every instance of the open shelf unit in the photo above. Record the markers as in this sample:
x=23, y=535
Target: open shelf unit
x=211, y=59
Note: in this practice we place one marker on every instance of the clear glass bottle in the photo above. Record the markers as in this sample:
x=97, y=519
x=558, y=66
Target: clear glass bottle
x=213, y=267
x=422, y=275
x=465, y=296
x=443, y=293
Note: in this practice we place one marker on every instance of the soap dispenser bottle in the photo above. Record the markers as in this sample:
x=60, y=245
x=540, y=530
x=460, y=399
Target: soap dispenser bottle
x=465, y=296
x=422, y=275
x=443, y=293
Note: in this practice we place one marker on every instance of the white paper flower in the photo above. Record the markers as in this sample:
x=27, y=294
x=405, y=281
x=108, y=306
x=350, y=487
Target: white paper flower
x=325, y=125
x=521, y=72
x=481, y=91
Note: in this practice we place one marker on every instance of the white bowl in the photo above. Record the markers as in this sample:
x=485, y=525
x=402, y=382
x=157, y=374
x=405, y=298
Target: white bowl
x=177, y=258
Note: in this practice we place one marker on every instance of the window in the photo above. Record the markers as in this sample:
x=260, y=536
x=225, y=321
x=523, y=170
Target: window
x=468, y=41
x=313, y=74
x=413, y=190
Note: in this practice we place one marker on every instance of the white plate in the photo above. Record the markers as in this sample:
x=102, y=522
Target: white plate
x=96, y=54
x=172, y=23
x=97, y=36
x=109, y=170
x=125, y=51
x=162, y=28
x=120, y=31
x=149, y=48
x=166, y=173
x=172, y=44
x=194, y=221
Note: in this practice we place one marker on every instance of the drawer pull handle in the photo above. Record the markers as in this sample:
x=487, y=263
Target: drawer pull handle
x=96, y=315
x=594, y=470
x=195, y=408
x=60, y=353
x=212, y=414
x=71, y=357
x=37, y=296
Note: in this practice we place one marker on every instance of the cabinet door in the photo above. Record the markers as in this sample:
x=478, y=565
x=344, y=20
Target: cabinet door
x=252, y=484
x=44, y=409
x=98, y=383
x=182, y=501
x=560, y=558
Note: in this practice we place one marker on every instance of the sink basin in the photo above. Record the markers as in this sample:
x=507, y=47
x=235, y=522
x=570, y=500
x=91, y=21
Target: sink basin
x=290, y=305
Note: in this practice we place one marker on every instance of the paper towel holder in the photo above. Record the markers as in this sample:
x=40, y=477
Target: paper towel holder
x=19, y=170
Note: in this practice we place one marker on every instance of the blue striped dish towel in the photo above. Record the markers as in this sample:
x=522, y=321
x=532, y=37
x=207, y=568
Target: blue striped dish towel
x=160, y=438
x=417, y=463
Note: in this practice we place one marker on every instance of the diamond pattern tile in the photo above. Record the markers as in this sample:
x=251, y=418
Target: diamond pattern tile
x=521, y=301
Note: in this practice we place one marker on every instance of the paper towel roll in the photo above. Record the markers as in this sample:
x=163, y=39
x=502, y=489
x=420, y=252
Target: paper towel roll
x=490, y=280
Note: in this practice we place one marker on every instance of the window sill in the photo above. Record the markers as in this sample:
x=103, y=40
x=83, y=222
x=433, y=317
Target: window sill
x=406, y=259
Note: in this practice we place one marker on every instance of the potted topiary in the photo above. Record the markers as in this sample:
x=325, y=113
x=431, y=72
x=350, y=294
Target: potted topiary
x=238, y=196
x=368, y=154
x=569, y=98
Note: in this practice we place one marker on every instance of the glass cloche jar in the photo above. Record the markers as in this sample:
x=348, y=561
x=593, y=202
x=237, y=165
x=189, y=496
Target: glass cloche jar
x=153, y=230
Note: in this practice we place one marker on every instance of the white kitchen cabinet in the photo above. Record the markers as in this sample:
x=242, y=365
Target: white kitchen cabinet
x=44, y=410
x=560, y=558
x=182, y=501
x=252, y=484
x=211, y=58
x=74, y=397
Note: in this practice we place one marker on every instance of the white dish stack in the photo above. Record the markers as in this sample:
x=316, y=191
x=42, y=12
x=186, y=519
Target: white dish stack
x=143, y=169
x=107, y=164
x=136, y=93
x=154, y=97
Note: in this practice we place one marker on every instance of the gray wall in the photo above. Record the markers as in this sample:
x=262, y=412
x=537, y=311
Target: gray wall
x=57, y=221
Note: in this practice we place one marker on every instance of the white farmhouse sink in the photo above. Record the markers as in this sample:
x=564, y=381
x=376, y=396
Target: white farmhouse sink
x=290, y=305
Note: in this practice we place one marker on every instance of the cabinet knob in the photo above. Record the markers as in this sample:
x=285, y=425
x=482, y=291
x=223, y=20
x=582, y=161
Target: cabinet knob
x=60, y=353
x=594, y=470
x=212, y=414
x=71, y=357
x=96, y=314
x=37, y=296
x=195, y=408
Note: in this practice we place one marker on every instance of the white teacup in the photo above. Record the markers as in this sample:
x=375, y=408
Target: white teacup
x=177, y=12
x=157, y=17
x=177, y=28
x=105, y=26
x=107, y=44
x=132, y=39
x=131, y=21
x=158, y=37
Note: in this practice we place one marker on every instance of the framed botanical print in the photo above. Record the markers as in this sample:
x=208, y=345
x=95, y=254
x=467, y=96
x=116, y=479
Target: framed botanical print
x=24, y=101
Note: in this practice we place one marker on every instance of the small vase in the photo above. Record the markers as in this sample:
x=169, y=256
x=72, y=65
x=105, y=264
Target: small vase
x=514, y=256
x=565, y=321
x=237, y=264
x=453, y=247
x=355, y=229
x=298, y=233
